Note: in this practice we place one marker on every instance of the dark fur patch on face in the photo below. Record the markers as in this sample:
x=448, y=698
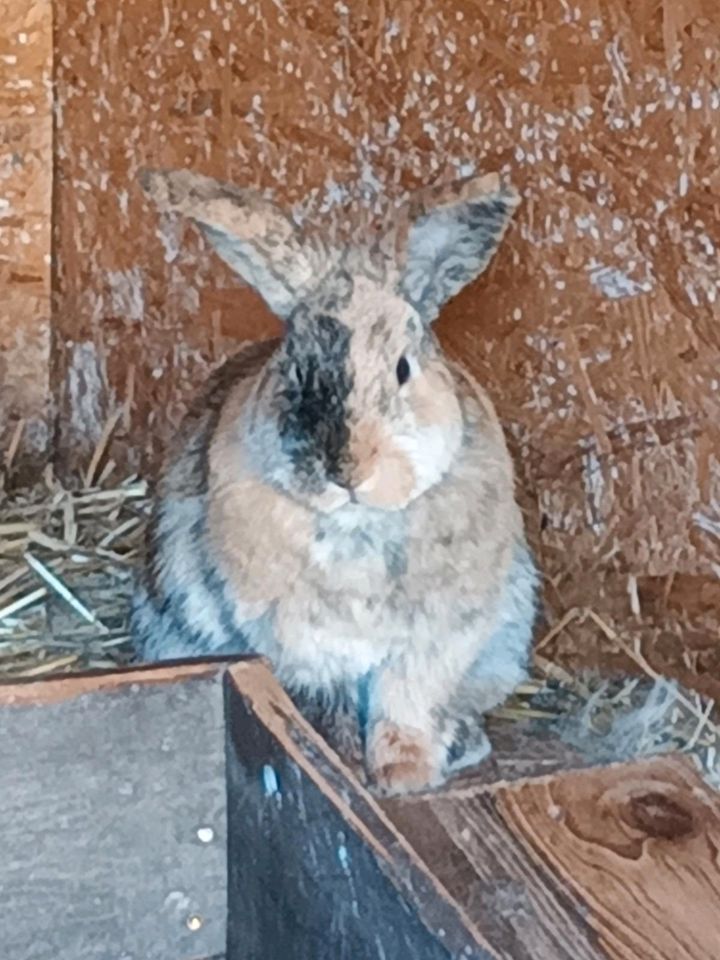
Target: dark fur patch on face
x=317, y=383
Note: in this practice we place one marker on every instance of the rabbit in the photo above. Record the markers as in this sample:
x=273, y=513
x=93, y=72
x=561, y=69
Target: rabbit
x=341, y=500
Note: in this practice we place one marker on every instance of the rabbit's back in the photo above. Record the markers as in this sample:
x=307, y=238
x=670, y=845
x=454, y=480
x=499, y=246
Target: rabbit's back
x=180, y=605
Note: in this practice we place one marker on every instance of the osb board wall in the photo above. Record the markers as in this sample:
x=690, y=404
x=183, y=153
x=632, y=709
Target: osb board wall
x=596, y=330
x=26, y=47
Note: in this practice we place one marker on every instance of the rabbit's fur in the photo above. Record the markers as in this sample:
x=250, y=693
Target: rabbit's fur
x=361, y=533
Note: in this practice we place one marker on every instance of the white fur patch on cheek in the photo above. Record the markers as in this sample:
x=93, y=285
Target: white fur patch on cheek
x=430, y=450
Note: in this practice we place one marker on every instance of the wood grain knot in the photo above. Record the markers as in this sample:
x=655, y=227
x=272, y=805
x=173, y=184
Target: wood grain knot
x=658, y=815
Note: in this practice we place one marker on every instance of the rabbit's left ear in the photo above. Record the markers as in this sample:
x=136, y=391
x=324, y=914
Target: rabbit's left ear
x=252, y=235
x=452, y=234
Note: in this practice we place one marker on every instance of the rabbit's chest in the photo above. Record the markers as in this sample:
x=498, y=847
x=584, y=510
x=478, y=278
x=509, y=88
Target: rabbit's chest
x=356, y=604
x=335, y=630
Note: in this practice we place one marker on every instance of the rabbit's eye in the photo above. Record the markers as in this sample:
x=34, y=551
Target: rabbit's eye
x=402, y=370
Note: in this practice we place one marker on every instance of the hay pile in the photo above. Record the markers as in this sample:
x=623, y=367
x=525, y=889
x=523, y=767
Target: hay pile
x=67, y=560
x=66, y=568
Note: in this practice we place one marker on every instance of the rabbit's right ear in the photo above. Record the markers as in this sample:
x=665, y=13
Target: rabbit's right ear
x=451, y=232
x=256, y=239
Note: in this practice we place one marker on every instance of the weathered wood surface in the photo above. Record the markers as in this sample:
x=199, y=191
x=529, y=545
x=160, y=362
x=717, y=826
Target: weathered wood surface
x=632, y=849
x=113, y=817
x=118, y=842
x=619, y=862
x=316, y=870
x=639, y=845
x=522, y=908
x=26, y=165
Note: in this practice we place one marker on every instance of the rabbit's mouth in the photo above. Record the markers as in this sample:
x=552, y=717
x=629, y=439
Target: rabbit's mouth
x=332, y=498
x=370, y=495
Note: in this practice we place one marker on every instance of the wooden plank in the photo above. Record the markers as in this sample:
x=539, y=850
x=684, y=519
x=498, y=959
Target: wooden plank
x=26, y=165
x=316, y=870
x=640, y=845
x=520, y=906
x=611, y=863
x=631, y=849
x=57, y=689
x=113, y=830
x=114, y=838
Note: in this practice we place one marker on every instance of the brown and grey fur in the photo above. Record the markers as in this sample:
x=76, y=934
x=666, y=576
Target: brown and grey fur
x=360, y=533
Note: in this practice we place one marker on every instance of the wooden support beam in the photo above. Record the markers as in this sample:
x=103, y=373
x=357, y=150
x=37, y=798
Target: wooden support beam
x=316, y=869
x=26, y=166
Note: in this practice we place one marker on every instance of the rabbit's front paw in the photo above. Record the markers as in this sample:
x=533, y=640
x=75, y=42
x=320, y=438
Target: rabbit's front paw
x=402, y=760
